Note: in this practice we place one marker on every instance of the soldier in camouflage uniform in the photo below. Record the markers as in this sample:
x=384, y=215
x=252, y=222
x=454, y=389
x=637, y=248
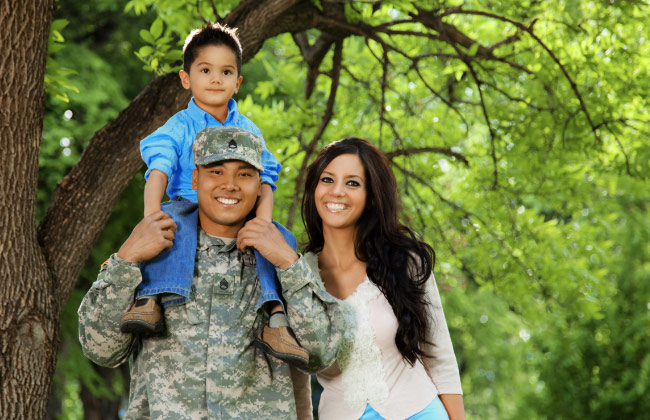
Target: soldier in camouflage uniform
x=205, y=366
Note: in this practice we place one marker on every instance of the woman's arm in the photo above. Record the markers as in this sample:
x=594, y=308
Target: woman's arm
x=442, y=367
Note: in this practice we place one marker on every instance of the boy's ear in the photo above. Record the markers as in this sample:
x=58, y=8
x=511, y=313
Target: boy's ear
x=185, y=79
x=195, y=178
x=239, y=80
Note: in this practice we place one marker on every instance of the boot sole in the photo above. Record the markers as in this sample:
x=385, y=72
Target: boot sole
x=285, y=357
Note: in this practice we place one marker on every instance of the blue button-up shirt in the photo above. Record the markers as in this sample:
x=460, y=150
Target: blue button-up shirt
x=169, y=148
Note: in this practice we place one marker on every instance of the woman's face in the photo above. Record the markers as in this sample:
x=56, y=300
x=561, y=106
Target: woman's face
x=341, y=192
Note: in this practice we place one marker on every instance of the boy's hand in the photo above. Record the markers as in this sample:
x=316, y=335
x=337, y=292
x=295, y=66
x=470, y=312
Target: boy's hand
x=154, y=234
x=268, y=241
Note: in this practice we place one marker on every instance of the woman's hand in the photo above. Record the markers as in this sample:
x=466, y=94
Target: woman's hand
x=454, y=405
x=268, y=241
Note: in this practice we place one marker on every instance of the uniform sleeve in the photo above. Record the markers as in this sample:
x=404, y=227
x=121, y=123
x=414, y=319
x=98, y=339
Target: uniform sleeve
x=271, y=165
x=161, y=149
x=314, y=315
x=101, y=311
x=442, y=367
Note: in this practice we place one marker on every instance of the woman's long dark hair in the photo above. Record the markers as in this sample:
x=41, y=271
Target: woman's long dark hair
x=396, y=260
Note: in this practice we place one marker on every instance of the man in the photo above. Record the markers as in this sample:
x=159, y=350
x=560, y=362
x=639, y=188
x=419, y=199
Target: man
x=205, y=366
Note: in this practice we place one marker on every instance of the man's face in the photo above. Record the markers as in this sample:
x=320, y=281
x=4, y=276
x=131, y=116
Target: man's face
x=227, y=191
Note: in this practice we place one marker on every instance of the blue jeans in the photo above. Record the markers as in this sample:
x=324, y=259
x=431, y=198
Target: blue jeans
x=433, y=411
x=173, y=271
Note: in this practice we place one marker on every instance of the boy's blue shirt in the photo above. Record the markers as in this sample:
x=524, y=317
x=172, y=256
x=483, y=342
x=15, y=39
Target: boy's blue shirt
x=169, y=148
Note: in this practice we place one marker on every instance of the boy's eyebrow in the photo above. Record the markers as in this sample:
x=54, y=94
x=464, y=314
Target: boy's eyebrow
x=201, y=63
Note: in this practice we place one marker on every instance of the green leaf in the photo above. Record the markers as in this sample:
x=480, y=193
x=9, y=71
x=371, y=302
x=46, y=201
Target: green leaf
x=174, y=55
x=145, y=51
x=59, y=24
x=156, y=28
x=147, y=37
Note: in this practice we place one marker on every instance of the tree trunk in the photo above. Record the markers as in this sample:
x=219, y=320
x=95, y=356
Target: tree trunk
x=28, y=316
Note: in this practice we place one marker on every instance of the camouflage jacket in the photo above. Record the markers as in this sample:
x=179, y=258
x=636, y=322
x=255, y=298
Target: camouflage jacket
x=206, y=366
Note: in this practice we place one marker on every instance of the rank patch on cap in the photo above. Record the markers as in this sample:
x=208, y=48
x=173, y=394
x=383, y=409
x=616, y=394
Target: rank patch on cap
x=232, y=144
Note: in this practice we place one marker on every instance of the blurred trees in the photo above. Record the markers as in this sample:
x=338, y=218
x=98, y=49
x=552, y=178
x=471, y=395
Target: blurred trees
x=517, y=132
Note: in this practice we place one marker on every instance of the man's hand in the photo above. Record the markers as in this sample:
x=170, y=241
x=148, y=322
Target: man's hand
x=154, y=234
x=268, y=241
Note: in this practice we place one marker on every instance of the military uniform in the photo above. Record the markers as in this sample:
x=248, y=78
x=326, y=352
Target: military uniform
x=206, y=366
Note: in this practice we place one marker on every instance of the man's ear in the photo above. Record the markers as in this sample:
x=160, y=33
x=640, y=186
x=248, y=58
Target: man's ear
x=259, y=187
x=185, y=79
x=195, y=178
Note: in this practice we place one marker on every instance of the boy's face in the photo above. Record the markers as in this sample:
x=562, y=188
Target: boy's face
x=213, y=78
x=226, y=191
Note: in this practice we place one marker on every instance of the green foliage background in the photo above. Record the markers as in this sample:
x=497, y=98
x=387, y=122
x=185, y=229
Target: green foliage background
x=544, y=268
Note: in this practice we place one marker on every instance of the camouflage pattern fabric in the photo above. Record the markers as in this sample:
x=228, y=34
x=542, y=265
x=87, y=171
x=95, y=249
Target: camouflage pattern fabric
x=206, y=366
x=214, y=144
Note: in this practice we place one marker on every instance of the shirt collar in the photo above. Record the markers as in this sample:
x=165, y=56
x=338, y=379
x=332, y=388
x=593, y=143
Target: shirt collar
x=200, y=115
x=207, y=241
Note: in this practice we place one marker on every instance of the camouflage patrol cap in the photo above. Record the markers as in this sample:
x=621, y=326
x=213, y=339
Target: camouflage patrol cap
x=214, y=144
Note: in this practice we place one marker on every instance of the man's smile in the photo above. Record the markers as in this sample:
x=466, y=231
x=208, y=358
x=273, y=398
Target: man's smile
x=229, y=201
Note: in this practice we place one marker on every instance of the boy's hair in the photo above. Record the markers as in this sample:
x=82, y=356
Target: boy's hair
x=211, y=34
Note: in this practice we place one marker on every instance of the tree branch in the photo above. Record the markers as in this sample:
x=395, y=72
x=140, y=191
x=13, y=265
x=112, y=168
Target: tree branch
x=416, y=150
x=495, y=168
x=529, y=29
x=313, y=56
x=504, y=244
x=384, y=74
x=327, y=116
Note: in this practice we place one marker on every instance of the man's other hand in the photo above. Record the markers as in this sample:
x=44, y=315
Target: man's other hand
x=154, y=234
x=268, y=241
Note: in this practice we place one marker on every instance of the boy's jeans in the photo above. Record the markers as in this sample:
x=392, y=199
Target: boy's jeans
x=172, y=271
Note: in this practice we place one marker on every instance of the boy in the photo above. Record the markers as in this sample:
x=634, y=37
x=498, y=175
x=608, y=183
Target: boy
x=212, y=59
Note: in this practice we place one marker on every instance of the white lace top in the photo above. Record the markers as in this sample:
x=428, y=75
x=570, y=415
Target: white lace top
x=370, y=369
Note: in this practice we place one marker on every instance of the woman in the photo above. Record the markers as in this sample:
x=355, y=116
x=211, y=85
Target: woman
x=397, y=360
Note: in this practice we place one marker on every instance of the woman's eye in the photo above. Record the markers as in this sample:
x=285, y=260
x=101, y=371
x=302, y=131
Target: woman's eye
x=326, y=179
x=353, y=184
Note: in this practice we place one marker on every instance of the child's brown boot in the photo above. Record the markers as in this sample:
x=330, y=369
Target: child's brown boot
x=280, y=341
x=144, y=317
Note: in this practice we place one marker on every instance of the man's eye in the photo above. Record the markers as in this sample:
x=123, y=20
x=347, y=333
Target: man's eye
x=326, y=179
x=215, y=171
x=246, y=174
